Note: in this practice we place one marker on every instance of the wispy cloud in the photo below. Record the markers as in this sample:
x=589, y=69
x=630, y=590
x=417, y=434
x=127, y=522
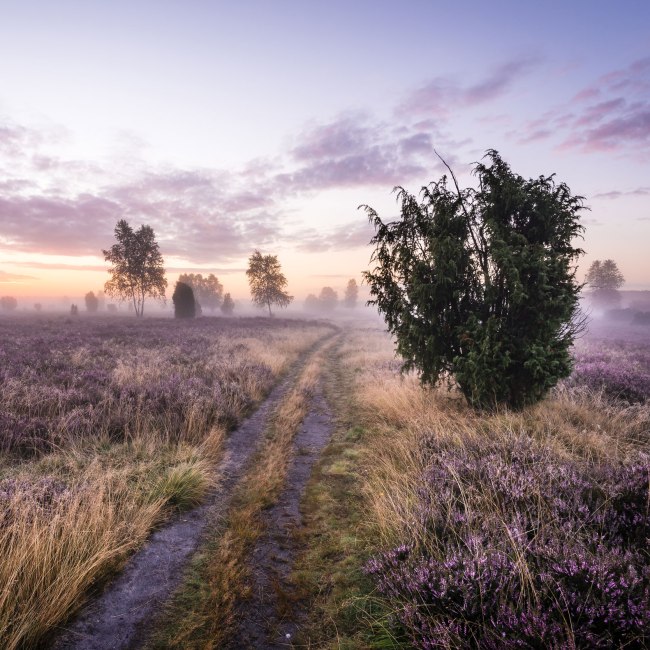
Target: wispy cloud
x=441, y=96
x=610, y=114
x=14, y=278
x=616, y=194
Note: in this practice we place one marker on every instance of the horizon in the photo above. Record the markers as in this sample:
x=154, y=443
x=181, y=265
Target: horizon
x=228, y=129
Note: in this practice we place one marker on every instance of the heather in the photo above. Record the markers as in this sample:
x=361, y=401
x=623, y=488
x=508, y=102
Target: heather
x=616, y=366
x=116, y=379
x=523, y=529
x=107, y=427
x=520, y=549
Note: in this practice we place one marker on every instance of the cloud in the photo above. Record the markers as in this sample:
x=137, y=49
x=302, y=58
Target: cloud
x=13, y=278
x=441, y=96
x=355, y=235
x=616, y=194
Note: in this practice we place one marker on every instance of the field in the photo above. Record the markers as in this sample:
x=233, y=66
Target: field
x=423, y=523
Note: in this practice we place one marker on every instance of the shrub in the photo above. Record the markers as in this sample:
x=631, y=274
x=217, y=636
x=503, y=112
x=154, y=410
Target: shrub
x=183, y=299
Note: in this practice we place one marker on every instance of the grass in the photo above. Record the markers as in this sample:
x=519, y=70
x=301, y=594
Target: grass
x=98, y=446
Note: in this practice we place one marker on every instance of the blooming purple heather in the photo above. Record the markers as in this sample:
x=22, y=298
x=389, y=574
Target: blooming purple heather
x=524, y=550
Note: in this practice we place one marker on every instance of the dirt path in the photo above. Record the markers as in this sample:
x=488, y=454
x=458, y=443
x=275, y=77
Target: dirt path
x=271, y=617
x=120, y=617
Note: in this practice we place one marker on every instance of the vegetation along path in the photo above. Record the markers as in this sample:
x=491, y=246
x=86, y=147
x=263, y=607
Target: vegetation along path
x=121, y=617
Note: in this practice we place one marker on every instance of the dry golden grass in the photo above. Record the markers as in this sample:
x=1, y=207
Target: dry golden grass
x=406, y=423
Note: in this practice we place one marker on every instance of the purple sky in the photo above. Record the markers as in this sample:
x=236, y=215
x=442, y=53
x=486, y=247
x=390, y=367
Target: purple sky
x=228, y=126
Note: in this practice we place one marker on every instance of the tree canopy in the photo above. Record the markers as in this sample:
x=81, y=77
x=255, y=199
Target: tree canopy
x=328, y=299
x=479, y=285
x=604, y=275
x=92, y=302
x=208, y=291
x=351, y=293
x=228, y=305
x=267, y=282
x=137, y=266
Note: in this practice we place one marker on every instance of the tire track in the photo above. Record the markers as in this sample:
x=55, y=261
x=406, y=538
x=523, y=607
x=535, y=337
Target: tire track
x=121, y=617
x=272, y=615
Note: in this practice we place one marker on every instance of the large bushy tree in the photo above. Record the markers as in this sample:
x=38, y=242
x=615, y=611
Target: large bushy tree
x=267, y=282
x=479, y=284
x=137, y=266
x=8, y=303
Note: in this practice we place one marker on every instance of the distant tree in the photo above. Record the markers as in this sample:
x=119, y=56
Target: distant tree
x=74, y=310
x=111, y=308
x=228, y=305
x=328, y=299
x=604, y=275
x=479, y=284
x=351, y=294
x=8, y=303
x=92, y=303
x=604, y=278
x=101, y=300
x=184, y=302
x=137, y=266
x=38, y=306
x=311, y=302
x=208, y=291
x=267, y=282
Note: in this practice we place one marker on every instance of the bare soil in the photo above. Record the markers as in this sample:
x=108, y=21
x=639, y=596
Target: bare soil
x=122, y=616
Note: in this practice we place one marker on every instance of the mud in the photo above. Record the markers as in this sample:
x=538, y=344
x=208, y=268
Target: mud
x=272, y=615
x=121, y=617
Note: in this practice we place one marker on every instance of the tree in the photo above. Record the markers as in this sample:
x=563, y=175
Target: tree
x=228, y=305
x=38, y=306
x=479, y=285
x=267, y=282
x=137, y=266
x=328, y=299
x=351, y=294
x=184, y=302
x=604, y=278
x=311, y=302
x=207, y=291
x=92, y=302
x=8, y=303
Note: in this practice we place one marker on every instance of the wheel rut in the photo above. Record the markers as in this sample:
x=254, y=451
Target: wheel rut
x=121, y=616
x=272, y=615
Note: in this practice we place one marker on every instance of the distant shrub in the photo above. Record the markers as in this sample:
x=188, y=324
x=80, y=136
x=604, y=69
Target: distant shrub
x=92, y=302
x=524, y=551
x=183, y=299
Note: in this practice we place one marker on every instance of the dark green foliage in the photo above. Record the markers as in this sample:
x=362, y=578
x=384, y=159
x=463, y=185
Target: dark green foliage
x=479, y=285
x=183, y=299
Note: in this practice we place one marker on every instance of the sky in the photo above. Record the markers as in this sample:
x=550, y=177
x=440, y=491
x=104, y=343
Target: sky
x=229, y=127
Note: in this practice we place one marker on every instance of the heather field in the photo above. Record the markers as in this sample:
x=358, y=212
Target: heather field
x=423, y=523
x=511, y=530
x=107, y=427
